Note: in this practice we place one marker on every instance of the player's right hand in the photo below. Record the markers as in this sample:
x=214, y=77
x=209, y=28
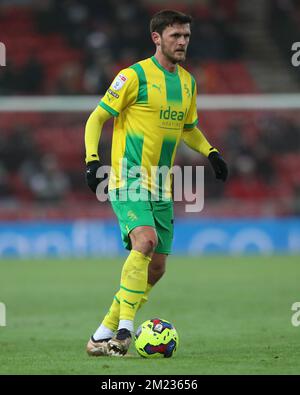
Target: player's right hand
x=219, y=165
x=91, y=174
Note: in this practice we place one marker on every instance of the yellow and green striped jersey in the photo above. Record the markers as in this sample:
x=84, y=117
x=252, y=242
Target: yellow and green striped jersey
x=152, y=107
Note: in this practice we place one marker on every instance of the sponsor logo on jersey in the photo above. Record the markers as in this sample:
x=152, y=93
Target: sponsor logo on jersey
x=118, y=82
x=170, y=114
x=114, y=94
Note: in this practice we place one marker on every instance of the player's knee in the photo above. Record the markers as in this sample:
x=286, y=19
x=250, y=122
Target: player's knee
x=144, y=239
x=147, y=243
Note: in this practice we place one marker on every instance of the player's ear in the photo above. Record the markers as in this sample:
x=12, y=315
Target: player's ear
x=156, y=38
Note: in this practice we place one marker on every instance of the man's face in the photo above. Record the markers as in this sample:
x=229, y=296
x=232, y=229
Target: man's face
x=174, y=42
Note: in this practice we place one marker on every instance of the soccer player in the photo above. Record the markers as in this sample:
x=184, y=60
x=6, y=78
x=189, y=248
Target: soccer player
x=153, y=103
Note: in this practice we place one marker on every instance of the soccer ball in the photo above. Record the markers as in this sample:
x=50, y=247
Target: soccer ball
x=156, y=338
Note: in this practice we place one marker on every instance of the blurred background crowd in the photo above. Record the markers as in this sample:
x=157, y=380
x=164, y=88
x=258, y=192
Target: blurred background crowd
x=72, y=47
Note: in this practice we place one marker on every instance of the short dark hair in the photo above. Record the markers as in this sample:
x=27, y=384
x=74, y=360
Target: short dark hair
x=165, y=18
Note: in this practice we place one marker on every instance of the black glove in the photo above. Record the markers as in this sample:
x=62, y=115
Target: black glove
x=90, y=174
x=219, y=165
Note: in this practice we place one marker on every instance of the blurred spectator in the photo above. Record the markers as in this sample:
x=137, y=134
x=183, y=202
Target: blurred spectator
x=31, y=76
x=207, y=43
x=264, y=164
x=19, y=148
x=280, y=134
x=234, y=144
x=49, y=184
x=69, y=80
x=27, y=79
x=8, y=79
x=93, y=40
x=246, y=185
x=5, y=190
x=234, y=137
x=97, y=76
x=296, y=201
x=116, y=30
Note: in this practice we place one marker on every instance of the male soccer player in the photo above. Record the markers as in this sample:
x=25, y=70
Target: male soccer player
x=154, y=105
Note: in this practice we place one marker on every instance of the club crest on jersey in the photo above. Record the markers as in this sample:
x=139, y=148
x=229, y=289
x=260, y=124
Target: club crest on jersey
x=118, y=82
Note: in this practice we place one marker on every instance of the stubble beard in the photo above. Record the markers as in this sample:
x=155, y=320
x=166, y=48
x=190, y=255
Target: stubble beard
x=170, y=56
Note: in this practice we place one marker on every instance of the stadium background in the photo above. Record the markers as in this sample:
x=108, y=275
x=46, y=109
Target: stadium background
x=71, y=48
x=60, y=58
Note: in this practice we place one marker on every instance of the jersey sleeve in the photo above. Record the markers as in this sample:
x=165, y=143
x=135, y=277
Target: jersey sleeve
x=121, y=93
x=191, y=119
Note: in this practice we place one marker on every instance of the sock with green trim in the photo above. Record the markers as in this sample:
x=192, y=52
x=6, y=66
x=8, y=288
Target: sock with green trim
x=111, y=320
x=133, y=284
x=145, y=296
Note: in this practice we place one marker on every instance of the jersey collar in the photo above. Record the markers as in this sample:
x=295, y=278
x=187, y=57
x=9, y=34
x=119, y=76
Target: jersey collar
x=155, y=61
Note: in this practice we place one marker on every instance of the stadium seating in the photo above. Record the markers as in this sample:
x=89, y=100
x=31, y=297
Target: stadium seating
x=61, y=135
x=54, y=52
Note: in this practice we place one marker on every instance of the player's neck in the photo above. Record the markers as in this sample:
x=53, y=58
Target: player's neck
x=165, y=63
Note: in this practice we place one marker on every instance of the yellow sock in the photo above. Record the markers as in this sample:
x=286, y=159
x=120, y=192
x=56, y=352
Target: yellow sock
x=111, y=320
x=145, y=296
x=133, y=284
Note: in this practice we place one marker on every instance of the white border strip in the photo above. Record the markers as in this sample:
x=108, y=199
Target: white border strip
x=205, y=102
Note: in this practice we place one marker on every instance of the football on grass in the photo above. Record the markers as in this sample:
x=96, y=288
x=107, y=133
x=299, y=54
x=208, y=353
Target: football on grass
x=156, y=338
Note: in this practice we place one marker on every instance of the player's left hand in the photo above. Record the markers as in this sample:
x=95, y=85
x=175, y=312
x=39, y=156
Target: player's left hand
x=219, y=165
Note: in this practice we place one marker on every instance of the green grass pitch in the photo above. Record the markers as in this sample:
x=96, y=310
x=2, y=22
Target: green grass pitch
x=233, y=316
